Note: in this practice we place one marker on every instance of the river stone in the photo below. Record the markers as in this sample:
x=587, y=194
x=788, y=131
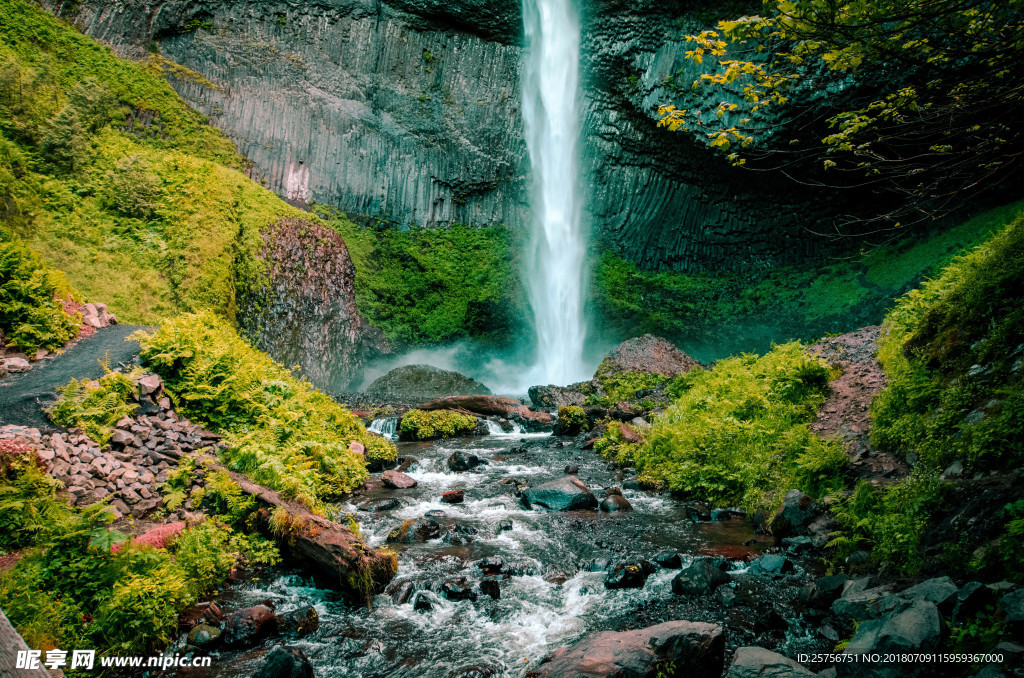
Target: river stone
x=300, y=622
x=700, y=578
x=631, y=575
x=381, y=505
x=248, y=626
x=795, y=514
x=916, y=629
x=553, y=397
x=860, y=605
x=490, y=586
x=615, y=503
x=940, y=590
x=285, y=662
x=415, y=383
x=668, y=559
x=453, y=497
x=826, y=590
x=1012, y=607
x=757, y=662
x=458, y=589
x=203, y=634
x=397, y=480
x=646, y=354
x=772, y=563
x=695, y=649
x=461, y=462
x=565, y=494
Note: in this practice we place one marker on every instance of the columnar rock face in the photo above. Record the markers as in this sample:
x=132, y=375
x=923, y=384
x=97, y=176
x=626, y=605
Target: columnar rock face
x=410, y=110
x=303, y=311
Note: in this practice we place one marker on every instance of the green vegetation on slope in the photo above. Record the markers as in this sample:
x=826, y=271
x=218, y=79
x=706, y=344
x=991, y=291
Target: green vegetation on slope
x=737, y=433
x=808, y=301
x=431, y=286
x=31, y=315
x=954, y=354
x=280, y=431
x=95, y=408
x=114, y=180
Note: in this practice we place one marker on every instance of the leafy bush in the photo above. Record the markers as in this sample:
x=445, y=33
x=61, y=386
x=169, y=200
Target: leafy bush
x=132, y=188
x=281, y=432
x=611, y=444
x=427, y=425
x=95, y=407
x=30, y=509
x=31, y=317
x=953, y=351
x=428, y=286
x=737, y=433
x=206, y=555
x=571, y=420
x=624, y=386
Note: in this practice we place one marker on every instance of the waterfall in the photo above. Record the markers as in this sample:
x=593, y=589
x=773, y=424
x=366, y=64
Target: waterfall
x=554, y=268
x=386, y=427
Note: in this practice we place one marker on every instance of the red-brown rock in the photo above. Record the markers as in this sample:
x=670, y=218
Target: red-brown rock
x=646, y=354
x=397, y=480
x=453, y=497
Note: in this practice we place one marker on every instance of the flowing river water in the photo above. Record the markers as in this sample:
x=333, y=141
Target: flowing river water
x=552, y=588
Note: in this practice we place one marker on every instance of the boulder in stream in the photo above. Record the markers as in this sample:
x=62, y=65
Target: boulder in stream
x=699, y=579
x=397, y=480
x=693, y=649
x=285, y=662
x=629, y=575
x=918, y=628
x=249, y=626
x=565, y=494
x=757, y=662
x=415, y=383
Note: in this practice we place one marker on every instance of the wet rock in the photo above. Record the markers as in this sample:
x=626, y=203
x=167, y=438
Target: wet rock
x=453, y=497
x=565, y=494
x=422, y=603
x=458, y=589
x=725, y=514
x=726, y=596
x=572, y=470
x=203, y=635
x=491, y=565
x=285, y=662
x=381, y=505
x=773, y=564
x=249, y=626
x=916, y=629
x=490, y=586
x=413, y=531
x=505, y=525
x=631, y=575
x=553, y=397
x=859, y=605
x=972, y=598
x=478, y=671
x=826, y=590
x=416, y=383
x=757, y=662
x=630, y=434
x=699, y=579
x=1012, y=607
x=461, y=462
x=397, y=480
x=795, y=515
x=615, y=503
x=299, y=622
x=696, y=650
x=698, y=512
x=401, y=592
x=941, y=591
x=668, y=559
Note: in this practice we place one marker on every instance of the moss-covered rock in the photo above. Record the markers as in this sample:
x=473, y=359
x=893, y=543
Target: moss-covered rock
x=571, y=420
x=433, y=424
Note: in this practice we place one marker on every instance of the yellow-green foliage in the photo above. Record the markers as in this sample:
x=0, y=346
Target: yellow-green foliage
x=281, y=431
x=954, y=354
x=611, y=445
x=737, y=433
x=623, y=386
x=426, y=425
x=809, y=298
x=95, y=407
x=30, y=315
x=133, y=596
x=151, y=218
x=30, y=509
x=571, y=420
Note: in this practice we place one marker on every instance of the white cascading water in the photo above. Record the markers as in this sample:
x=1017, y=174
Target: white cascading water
x=554, y=269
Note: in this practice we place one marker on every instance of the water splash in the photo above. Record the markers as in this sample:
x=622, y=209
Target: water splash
x=386, y=427
x=554, y=267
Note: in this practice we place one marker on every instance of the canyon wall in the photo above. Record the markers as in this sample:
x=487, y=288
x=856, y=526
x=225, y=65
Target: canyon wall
x=409, y=111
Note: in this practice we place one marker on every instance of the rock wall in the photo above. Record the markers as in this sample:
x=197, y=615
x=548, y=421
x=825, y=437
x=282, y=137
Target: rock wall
x=409, y=110
x=303, y=311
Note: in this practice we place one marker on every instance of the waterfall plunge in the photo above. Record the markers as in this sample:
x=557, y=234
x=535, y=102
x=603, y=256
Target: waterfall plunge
x=554, y=269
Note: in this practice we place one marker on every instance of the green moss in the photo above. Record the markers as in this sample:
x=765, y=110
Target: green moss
x=427, y=425
x=429, y=286
x=571, y=420
x=737, y=433
x=802, y=301
x=281, y=432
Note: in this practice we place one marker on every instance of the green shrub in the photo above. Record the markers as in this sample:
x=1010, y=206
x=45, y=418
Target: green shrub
x=953, y=351
x=206, y=554
x=427, y=425
x=95, y=407
x=737, y=433
x=31, y=317
x=280, y=431
x=624, y=386
x=611, y=445
x=572, y=420
x=30, y=509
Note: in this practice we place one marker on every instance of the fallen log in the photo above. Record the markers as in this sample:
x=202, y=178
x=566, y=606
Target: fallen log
x=325, y=546
x=483, y=405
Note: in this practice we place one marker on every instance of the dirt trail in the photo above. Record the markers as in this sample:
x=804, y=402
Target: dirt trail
x=846, y=411
x=23, y=396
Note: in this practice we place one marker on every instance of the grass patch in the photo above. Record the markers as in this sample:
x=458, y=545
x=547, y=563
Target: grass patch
x=281, y=432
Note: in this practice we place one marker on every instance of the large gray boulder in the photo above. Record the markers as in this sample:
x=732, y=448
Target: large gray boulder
x=757, y=662
x=918, y=628
x=699, y=579
x=671, y=650
x=565, y=494
x=414, y=383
